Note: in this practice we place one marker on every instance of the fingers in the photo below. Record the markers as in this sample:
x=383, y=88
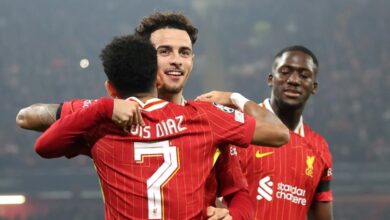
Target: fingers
x=219, y=97
x=210, y=211
x=126, y=113
x=205, y=97
x=218, y=213
x=132, y=118
x=140, y=118
x=136, y=118
x=122, y=121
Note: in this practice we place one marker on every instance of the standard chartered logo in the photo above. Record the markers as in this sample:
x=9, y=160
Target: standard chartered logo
x=291, y=193
x=283, y=191
x=265, y=189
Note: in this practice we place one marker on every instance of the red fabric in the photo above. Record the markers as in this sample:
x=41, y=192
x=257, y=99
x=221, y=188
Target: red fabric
x=56, y=144
x=68, y=108
x=241, y=207
x=226, y=177
x=324, y=196
x=173, y=153
x=283, y=181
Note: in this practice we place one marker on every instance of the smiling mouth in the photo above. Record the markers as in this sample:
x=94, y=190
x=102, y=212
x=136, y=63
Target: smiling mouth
x=292, y=93
x=174, y=73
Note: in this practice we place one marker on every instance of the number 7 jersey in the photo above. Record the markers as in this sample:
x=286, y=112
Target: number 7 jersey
x=157, y=171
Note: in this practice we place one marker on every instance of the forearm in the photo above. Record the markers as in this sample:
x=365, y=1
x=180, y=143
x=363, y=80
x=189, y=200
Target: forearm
x=321, y=211
x=37, y=117
x=69, y=131
x=269, y=130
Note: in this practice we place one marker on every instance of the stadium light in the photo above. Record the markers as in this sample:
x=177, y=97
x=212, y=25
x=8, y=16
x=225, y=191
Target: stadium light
x=12, y=199
x=84, y=63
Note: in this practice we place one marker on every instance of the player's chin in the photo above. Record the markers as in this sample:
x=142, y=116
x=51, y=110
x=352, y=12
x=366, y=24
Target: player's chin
x=293, y=102
x=173, y=88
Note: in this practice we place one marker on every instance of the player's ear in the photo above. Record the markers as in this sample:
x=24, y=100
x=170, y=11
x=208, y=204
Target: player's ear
x=192, y=64
x=159, y=81
x=110, y=88
x=315, y=88
x=269, y=80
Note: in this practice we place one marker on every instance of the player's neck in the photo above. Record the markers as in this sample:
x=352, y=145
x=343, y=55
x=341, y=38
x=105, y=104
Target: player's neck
x=290, y=120
x=172, y=97
x=290, y=116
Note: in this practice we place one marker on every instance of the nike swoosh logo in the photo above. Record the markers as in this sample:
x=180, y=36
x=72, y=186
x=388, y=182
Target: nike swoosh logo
x=260, y=155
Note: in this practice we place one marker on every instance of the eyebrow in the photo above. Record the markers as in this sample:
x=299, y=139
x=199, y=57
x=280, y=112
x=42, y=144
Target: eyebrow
x=293, y=67
x=164, y=47
x=170, y=47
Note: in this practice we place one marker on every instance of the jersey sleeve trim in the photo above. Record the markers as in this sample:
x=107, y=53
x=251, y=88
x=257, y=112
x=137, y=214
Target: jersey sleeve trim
x=323, y=186
x=59, y=110
x=66, y=109
x=324, y=196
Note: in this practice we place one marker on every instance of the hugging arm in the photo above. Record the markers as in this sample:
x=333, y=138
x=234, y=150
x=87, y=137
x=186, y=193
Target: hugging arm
x=37, y=117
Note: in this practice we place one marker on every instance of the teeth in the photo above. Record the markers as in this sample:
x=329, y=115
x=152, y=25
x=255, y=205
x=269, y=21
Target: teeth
x=174, y=73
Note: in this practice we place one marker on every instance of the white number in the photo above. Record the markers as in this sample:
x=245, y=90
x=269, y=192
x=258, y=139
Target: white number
x=162, y=174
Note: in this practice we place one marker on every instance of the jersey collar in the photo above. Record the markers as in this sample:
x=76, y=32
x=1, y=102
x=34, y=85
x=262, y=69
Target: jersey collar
x=183, y=101
x=150, y=105
x=299, y=129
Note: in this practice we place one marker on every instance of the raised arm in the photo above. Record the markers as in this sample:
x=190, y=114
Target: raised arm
x=269, y=130
x=37, y=117
x=66, y=135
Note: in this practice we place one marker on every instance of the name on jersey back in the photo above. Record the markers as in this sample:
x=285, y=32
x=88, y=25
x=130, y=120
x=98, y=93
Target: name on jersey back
x=163, y=128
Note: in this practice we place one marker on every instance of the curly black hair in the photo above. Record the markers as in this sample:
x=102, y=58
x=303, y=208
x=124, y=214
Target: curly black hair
x=159, y=20
x=130, y=63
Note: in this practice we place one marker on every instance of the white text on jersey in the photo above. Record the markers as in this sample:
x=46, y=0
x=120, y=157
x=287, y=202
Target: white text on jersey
x=163, y=128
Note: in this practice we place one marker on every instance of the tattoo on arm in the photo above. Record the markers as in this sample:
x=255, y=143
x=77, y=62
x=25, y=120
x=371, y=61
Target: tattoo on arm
x=37, y=117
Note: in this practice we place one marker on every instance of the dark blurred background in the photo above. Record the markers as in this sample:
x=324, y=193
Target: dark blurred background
x=43, y=41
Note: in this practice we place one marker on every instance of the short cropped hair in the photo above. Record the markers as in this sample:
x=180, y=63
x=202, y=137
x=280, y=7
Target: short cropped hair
x=159, y=20
x=130, y=64
x=302, y=49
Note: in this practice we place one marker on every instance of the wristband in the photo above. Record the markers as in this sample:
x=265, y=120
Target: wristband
x=238, y=100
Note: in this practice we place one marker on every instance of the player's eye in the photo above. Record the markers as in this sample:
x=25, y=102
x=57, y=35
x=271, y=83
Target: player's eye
x=305, y=74
x=163, y=51
x=284, y=70
x=185, y=53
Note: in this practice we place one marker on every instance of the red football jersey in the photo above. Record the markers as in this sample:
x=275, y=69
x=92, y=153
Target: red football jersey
x=157, y=171
x=226, y=176
x=285, y=181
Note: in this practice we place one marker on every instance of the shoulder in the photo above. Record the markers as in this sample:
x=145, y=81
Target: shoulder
x=210, y=106
x=318, y=142
x=73, y=105
x=314, y=137
x=198, y=104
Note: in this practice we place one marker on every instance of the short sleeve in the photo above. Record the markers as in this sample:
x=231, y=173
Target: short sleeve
x=67, y=108
x=323, y=191
x=230, y=126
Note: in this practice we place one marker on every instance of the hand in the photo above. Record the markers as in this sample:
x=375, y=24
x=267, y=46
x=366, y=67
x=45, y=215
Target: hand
x=218, y=213
x=219, y=97
x=126, y=113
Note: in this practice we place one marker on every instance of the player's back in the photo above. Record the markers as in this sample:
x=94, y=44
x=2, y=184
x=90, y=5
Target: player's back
x=159, y=170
